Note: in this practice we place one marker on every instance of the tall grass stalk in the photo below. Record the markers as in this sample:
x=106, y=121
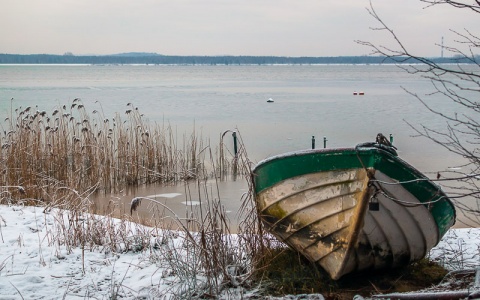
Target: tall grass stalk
x=197, y=253
x=72, y=148
x=210, y=260
x=61, y=159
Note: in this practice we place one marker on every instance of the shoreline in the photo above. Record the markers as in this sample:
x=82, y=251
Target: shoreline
x=32, y=265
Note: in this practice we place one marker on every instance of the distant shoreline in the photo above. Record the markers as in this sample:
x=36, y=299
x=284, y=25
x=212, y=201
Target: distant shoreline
x=156, y=59
x=199, y=65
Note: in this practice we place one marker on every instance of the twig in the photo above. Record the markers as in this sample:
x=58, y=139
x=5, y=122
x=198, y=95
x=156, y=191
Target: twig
x=17, y=290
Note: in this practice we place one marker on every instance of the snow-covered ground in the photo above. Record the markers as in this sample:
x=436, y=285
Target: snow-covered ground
x=34, y=266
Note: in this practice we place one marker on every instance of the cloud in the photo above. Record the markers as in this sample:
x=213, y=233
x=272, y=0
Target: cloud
x=209, y=27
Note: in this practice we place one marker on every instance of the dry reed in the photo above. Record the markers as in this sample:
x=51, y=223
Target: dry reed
x=72, y=148
x=210, y=259
x=61, y=159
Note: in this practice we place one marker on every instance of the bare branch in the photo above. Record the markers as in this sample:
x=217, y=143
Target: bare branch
x=474, y=6
x=458, y=84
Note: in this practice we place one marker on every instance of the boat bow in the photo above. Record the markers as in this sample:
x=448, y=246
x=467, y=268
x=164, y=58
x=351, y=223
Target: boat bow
x=323, y=204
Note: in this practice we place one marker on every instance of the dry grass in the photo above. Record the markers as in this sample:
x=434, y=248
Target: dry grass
x=211, y=259
x=60, y=160
x=73, y=148
x=288, y=273
x=199, y=252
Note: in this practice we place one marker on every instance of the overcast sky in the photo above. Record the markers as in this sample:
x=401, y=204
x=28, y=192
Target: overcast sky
x=223, y=27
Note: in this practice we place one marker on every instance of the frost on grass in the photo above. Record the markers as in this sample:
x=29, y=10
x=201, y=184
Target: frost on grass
x=35, y=262
x=44, y=255
x=459, y=249
x=47, y=254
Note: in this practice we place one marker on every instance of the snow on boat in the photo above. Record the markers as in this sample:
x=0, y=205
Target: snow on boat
x=351, y=209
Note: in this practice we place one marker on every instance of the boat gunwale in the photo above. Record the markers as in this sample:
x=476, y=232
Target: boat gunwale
x=362, y=152
x=360, y=149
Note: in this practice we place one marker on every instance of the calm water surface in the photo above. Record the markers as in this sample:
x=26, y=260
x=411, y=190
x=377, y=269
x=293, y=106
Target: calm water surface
x=314, y=100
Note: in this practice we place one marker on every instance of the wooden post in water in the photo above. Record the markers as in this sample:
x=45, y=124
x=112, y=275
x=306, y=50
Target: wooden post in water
x=324, y=142
x=235, y=149
x=313, y=142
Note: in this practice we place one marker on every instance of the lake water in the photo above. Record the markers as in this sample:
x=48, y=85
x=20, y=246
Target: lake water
x=309, y=100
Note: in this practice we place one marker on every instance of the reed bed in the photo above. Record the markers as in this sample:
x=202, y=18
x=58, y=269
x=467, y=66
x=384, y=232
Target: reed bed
x=73, y=148
x=211, y=262
x=197, y=254
x=60, y=160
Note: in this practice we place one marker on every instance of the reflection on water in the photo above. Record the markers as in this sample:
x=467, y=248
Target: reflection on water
x=182, y=201
x=310, y=100
x=162, y=205
x=168, y=195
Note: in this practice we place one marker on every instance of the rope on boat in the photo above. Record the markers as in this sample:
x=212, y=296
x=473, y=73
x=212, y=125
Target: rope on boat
x=377, y=183
x=411, y=204
x=379, y=190
x=391, y=150
x=428, y=179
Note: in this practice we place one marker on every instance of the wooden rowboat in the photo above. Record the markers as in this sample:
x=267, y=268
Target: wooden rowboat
x=351, y=209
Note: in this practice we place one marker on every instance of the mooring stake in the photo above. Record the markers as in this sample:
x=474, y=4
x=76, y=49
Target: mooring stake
x=235, y=149
x=313, y=142
x=324, y=142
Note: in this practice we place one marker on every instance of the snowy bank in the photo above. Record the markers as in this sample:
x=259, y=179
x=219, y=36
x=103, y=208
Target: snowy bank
x=33, y=264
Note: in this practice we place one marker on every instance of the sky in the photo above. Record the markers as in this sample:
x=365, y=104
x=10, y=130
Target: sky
x=224, y=27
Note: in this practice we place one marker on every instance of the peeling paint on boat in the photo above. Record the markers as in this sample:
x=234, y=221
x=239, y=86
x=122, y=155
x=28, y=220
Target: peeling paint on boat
x=317, y=202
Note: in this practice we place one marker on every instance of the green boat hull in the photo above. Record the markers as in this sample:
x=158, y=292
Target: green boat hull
x=351, y=209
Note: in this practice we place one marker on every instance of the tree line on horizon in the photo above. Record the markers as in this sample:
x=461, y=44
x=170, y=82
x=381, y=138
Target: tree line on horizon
x=156, y=59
